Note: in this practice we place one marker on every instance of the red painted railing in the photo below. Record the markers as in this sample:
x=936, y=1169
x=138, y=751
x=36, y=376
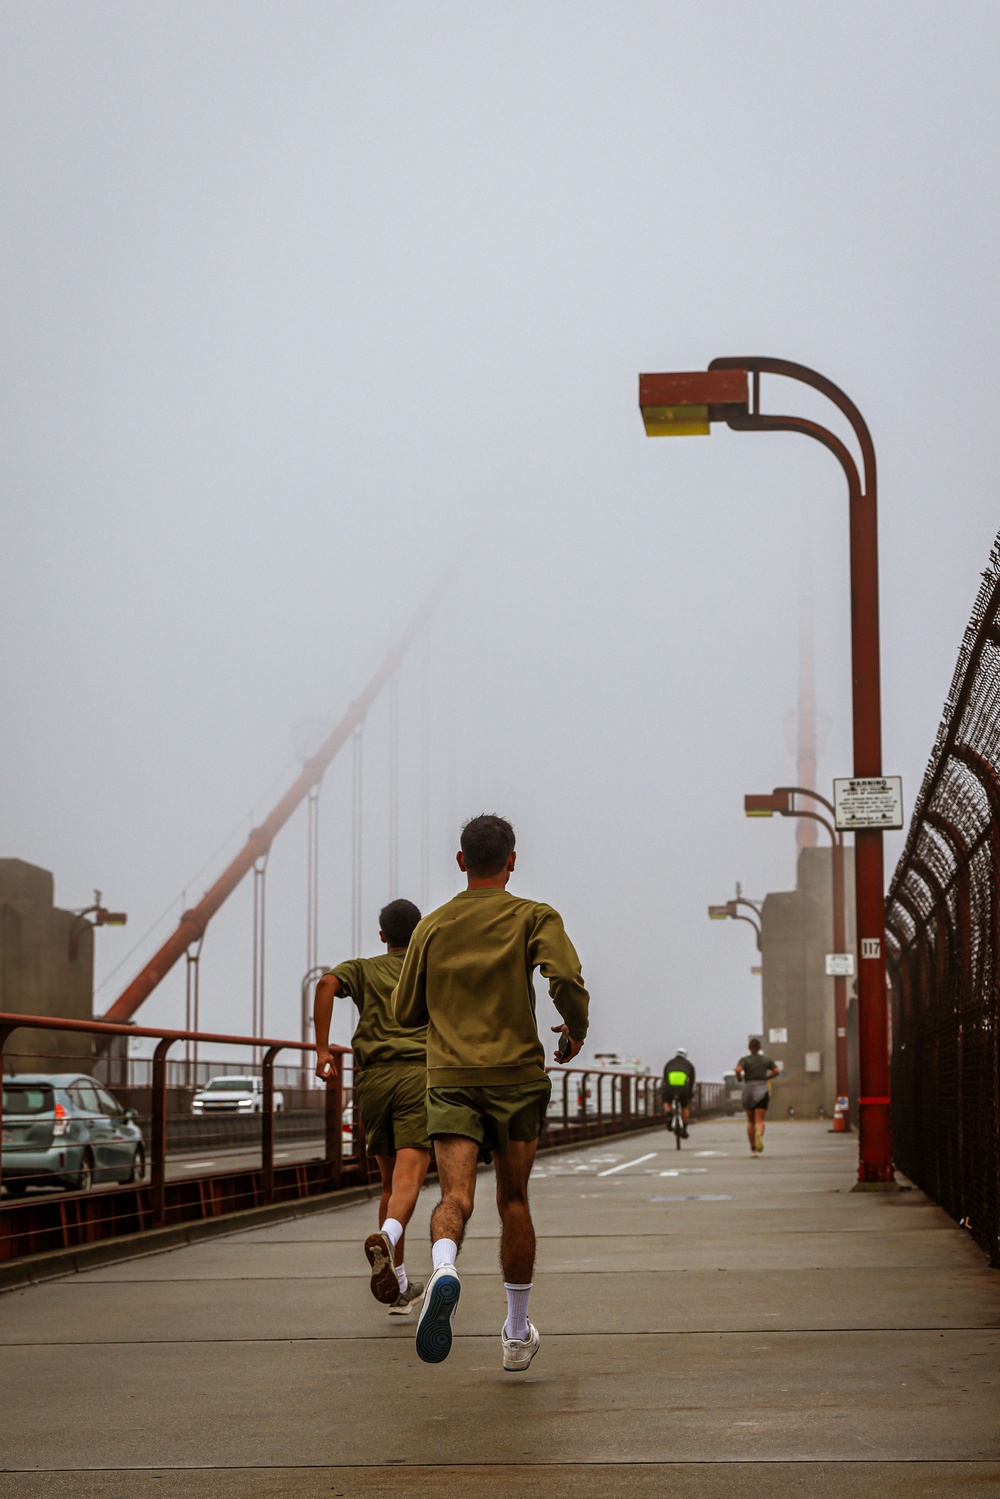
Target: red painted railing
x=587, y=1103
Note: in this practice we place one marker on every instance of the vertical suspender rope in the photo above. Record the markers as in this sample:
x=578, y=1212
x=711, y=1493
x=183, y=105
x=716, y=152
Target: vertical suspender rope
x=191, y=1007
x=394, y=786
x=259, y=892
x=357, y=744
x=451, y=736
x=312, y=925
x=425, y=771
x=312, y=879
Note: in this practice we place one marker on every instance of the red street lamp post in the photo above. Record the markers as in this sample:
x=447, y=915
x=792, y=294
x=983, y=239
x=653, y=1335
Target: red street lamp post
x=781, y=800
x=681, y=404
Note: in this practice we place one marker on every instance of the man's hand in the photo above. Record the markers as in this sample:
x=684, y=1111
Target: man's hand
x=575, y=1047
x=326, y=1066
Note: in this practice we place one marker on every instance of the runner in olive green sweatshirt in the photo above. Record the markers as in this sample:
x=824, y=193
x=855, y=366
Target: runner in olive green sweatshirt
x=390, y=1090
x=467, y=976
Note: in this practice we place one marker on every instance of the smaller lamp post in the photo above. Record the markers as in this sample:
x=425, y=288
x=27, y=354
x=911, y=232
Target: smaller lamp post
x=731, y=911
x=782, y=801
x=102, y=917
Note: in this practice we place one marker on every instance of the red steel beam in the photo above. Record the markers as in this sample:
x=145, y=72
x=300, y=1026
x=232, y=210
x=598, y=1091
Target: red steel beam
x=193, y=923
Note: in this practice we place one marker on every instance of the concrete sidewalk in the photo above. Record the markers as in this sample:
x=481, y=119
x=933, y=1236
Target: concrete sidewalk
x=699, y=1310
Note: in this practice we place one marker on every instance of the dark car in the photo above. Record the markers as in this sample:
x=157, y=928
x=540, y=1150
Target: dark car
x=65, y=1130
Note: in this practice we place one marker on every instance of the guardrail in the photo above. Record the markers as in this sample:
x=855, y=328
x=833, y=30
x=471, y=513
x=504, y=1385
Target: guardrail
x=587, y=1103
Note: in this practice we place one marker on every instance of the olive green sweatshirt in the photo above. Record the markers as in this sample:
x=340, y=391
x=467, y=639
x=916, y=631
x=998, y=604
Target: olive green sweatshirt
x=467, y=975
x=378, y=1038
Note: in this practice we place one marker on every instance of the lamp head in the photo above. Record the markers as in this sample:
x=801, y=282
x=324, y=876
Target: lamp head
x=766, y=806
x=685, y=405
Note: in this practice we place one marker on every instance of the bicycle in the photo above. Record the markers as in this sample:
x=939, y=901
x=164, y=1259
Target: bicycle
x=675, y=1123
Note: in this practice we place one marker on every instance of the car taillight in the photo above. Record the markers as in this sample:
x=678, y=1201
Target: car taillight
x=61, y=1124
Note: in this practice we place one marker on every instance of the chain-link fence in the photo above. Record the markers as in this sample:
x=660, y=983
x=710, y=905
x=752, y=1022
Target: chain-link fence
x=943, y=920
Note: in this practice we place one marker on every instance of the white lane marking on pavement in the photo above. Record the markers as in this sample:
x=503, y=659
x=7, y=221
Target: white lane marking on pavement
x=626, y=1164
x=196, y=1165
x=687, y=1171
x=699, y=1197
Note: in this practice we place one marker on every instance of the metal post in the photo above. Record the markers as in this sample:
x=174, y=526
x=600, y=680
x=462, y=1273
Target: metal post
x=5, y=1031
x=158, y=1165
x=875, y=1142
x=333, y=1127
x=267, y=1123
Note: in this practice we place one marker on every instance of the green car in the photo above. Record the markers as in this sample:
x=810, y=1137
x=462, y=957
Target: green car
x=65, y=1130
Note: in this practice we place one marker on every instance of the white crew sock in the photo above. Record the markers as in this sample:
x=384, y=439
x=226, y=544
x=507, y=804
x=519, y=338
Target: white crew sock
x=444, y=1252
x=393, y=1230
x=516, y=1325
x=401, y=1277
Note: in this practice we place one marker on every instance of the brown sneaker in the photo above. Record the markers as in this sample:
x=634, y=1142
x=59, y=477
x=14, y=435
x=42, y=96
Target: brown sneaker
x=380, y=1253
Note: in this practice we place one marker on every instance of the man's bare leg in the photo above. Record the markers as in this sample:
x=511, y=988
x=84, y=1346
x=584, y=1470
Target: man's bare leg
x=517, y=1251
x=457, y=1158
x=751, y=1130
x=402, y=1177
x=759, y=1116
x=517, y=1235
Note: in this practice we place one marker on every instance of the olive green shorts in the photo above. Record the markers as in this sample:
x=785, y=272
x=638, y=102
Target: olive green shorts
x=392, y=1099
x=492, y=1114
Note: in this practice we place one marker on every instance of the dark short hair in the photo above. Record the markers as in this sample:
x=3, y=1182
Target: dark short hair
x=755, y=1043
x=396, y=922
x=487, y=844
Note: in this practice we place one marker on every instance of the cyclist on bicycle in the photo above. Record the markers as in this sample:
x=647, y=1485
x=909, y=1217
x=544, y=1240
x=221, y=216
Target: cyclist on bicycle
x=678, y=1082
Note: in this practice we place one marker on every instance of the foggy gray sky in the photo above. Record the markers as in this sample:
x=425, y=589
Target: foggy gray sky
x=296, y=297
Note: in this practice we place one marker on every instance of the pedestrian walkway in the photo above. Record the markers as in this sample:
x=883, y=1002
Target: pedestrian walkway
x=699, y=1310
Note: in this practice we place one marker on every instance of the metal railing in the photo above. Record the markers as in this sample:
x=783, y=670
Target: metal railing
x=326, y=1148
x=943, y=921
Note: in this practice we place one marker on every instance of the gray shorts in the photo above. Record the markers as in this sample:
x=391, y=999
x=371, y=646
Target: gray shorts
x=756, y=1095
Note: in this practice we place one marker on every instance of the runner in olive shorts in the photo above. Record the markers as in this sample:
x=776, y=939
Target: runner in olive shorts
x=390, y=1093
x=468, y=975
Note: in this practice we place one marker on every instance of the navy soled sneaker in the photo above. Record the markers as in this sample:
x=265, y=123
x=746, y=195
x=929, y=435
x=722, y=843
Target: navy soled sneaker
x=433, y=1337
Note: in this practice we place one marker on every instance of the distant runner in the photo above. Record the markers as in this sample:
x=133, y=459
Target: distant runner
x=468, y=971
x=678, y=1082
x=390, y=1087
x=756, y=1071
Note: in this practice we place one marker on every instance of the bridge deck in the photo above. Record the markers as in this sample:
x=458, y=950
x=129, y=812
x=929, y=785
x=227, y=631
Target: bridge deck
x=740, y=1312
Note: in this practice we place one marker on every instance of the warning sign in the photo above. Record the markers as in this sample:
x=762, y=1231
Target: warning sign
x=868, y=802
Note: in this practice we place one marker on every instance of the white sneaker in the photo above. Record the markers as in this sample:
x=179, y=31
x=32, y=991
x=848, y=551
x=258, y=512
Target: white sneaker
x=407, y=1300
x=518, y=1352
x=433, y=1337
